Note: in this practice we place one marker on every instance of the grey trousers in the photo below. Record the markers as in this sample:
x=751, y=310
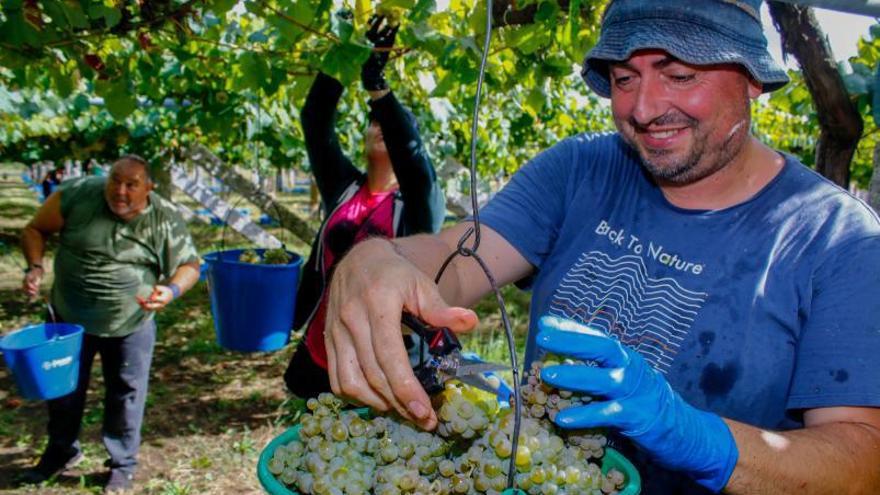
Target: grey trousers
x=125, y=362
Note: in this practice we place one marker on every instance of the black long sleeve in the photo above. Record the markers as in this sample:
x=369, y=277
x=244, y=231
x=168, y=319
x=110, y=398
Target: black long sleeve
x=332, y=169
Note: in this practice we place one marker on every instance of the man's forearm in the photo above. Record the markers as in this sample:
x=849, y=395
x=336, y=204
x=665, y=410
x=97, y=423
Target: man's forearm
x=33, y=245
x=186, y=276
x=832, y=458
x=427, y=253
x=464, y=282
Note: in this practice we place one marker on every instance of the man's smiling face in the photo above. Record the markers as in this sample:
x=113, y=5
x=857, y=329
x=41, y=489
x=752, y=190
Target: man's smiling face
x=685, y=121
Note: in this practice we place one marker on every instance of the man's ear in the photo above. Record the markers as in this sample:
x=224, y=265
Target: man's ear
x=756, y=89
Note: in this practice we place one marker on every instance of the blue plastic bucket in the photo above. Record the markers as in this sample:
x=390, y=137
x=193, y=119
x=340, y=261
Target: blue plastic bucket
x=44, y=359
x=253, y=305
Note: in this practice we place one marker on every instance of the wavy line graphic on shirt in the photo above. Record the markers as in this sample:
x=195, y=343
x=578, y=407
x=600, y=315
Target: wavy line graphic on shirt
x=652, y=315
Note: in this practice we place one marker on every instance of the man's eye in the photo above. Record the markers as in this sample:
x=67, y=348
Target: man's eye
x=622, y=80
x=681, y=78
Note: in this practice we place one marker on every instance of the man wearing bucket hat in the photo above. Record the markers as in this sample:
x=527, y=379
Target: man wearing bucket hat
x=726, y=294
x=124, y=253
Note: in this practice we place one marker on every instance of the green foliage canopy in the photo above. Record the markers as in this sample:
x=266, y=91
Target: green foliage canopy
x=97, y=78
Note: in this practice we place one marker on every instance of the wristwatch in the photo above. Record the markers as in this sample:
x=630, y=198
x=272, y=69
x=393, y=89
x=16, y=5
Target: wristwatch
x=32, y=266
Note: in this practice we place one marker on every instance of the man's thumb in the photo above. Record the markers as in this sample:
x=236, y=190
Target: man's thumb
x=457, y=319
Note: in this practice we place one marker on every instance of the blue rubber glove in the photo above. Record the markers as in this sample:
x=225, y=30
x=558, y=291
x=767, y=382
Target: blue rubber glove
x=639, y=403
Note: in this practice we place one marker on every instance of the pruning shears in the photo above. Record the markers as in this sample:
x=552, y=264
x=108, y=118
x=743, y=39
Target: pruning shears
x=445, y=360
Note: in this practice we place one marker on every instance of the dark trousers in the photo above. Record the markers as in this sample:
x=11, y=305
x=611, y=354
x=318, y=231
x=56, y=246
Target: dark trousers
x=125, y=362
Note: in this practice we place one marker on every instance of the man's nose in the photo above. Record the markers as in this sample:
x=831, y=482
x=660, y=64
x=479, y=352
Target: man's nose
x=651, y=101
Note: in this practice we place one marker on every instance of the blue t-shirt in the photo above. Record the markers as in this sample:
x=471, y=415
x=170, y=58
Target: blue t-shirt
x=754, y=312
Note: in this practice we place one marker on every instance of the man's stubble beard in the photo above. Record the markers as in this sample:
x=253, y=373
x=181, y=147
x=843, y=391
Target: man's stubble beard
x=692, y=167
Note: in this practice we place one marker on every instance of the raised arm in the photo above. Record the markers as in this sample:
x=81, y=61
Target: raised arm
x=333, y=171
x=379, y=279
x=424, y=200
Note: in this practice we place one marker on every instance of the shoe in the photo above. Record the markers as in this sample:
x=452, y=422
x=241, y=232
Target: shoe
x=119, y=482
x=51, y=464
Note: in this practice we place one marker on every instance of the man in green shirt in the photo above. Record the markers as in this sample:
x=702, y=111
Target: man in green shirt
x=124, y=253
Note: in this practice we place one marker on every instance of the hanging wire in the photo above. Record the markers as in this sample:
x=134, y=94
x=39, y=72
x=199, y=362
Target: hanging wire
x=471, y=251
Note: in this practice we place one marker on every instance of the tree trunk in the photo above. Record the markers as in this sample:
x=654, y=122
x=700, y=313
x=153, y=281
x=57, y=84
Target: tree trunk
x=863, y=7
x=874, y=187
x=279, y=180
x=162, y=180
x=839, y=120
x=289, y=220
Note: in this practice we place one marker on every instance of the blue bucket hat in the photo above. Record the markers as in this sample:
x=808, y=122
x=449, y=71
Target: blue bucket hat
x=699, y=32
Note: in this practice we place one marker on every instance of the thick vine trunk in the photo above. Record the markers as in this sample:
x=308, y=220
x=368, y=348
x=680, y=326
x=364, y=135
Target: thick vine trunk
x=839, y=120
x=289, y=220
x=863, y=7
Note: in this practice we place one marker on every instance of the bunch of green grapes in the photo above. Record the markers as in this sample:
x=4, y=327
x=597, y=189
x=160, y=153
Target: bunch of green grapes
x=334, y=452
x=464, y=411
x=545, y=463
x=542, y=402
x=340, y=453
x=408, y=459
x=249, y=256
x=270, y=257
x=276, y=257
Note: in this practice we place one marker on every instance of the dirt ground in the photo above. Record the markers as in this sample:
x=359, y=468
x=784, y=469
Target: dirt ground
x=209, y=412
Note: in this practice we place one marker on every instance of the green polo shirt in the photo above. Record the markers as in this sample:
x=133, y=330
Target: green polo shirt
x=103, y=262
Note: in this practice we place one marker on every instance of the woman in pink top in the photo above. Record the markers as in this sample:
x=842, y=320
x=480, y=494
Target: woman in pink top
x=398, y=195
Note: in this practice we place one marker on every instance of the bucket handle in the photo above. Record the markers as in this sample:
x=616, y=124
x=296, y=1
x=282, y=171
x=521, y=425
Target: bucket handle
x=235, y=206
x=51, y=310
x=51, y=316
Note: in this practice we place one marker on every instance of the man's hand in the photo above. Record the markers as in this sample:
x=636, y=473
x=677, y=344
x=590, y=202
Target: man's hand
x=158, y=299
x=367, y=360
x=639, y=403
x=382, y=37
x=31, y=282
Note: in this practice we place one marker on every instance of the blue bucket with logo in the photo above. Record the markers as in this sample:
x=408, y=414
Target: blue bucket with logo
x=253, y=304
x=44, y=359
